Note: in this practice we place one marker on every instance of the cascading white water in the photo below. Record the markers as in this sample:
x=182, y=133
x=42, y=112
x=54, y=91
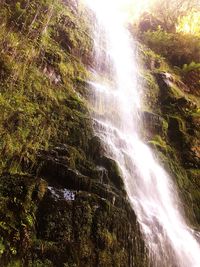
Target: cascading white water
x=151, y=192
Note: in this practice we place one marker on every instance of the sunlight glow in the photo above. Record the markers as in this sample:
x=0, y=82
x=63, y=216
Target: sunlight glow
x=134, y=8
x=130, y=9
x=190, y=23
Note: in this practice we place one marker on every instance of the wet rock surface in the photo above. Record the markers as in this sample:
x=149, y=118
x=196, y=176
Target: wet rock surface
x=173, y=133
x=63, y=202
x=68, y=218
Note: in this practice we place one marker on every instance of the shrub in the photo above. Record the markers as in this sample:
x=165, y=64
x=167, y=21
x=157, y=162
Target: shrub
x=177, y=48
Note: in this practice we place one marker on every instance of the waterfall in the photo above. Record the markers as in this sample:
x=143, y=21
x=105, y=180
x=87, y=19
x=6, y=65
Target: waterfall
x=151, y=191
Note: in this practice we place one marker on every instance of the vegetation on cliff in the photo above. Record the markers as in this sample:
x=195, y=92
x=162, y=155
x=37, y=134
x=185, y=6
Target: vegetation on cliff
x=63, y=202
x=43, y=44
x=172, y=101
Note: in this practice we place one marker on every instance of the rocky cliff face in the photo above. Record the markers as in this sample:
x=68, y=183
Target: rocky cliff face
x=62, y=201
x=171, y=120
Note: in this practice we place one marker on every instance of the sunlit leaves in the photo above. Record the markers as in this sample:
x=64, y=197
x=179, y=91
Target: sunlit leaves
x=190, y=23
x=169, y=11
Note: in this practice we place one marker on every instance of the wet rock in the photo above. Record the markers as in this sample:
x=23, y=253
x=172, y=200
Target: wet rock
x=53, y=170
x=72, y=209
x=192, y=79
x=72, y=230
x=19, y=197
x=96, y=148
x=175, y=132
x=154, y=124
x=164, y=86
x=58, y=174
x=170, y=98
x=178, y=146
x=113, y=172
x=62, y=193
x=186, y=144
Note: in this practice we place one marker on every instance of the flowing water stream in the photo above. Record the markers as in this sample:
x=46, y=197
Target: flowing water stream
x=152, y=194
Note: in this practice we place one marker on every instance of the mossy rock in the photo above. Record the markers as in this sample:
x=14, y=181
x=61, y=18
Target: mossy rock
x=114, y=172
x=19, y=195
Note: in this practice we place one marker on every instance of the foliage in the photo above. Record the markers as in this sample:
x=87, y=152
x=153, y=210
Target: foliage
x=177, y=48
x=37, y=78
x=169, y=11
x=44, y=49
x=189, y=23
x=190, y=67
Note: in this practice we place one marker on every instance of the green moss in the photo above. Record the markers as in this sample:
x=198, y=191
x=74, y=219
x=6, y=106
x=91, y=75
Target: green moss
x=2, y=247
x=16, y=263
x=176, y=144
x=151, y=92
x=107, y=239
x=40, y=263
x=45, y=46
x=105, y=259
x=157, y=141
x=179, y=122
x=40, y=76
x=177, y=48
